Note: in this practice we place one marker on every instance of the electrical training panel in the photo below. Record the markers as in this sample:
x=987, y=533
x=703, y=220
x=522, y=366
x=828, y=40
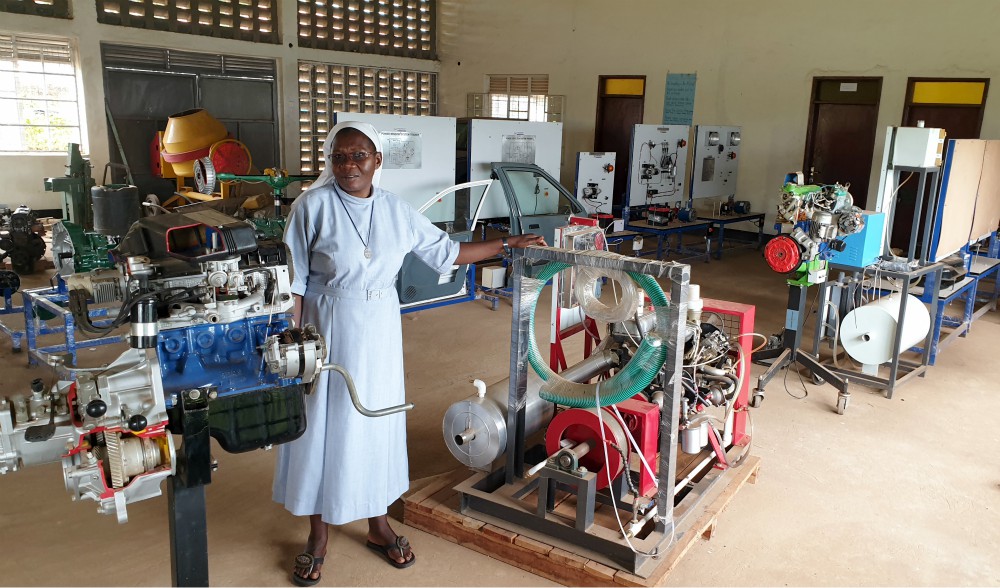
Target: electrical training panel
x=716, y=161
x=595, y=180
x=657, y=164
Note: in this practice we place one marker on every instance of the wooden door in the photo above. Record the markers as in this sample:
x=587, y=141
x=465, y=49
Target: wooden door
x=841, y=138
x=620, y=102
x=955, y=105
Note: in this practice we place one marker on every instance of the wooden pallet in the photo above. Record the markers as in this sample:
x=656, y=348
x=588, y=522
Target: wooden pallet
x=433, y=508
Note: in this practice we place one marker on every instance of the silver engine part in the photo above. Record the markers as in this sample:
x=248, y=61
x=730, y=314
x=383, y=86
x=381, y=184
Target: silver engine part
x=475, y=429
x=296, y=359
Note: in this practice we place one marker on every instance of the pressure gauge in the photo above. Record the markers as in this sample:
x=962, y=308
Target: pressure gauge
x=734, y=138
x=713, y=138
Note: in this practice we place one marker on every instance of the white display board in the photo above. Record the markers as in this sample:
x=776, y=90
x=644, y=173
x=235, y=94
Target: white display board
x=716, y=155
x=509, y=141
x=418, y=157
x=657, y=164
x=595, y=180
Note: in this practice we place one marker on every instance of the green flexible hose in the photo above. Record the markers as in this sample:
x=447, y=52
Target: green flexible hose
x=637, y=374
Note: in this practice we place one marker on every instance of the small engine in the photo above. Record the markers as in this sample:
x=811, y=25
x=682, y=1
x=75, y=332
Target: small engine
x=212, y=348
x=21, y=239
x=819, y=216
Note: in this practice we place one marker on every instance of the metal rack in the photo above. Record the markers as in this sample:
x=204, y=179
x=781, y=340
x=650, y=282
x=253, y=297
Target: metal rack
x=497, y=495
x=900, y=370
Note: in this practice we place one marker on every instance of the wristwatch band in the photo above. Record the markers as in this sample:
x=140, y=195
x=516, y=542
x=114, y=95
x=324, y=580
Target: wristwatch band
x=506, y=247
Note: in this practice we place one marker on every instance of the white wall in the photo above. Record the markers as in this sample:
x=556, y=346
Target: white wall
x=23, y=174
x=755, y=61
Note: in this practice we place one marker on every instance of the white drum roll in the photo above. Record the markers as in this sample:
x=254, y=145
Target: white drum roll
x=867, y=332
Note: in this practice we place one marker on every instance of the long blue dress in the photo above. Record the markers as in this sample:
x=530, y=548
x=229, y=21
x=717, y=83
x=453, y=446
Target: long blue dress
x=347, y=466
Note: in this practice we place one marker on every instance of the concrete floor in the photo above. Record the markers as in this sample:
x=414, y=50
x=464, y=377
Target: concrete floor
x=900, y=492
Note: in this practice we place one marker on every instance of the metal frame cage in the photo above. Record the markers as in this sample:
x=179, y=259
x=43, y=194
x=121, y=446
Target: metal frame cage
x=497, y=495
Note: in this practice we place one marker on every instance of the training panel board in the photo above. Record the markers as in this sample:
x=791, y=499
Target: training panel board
x=716, y=155
x=511, y=141
x=657, y=164
x=957, y=201
x=595, y=180
x=988, y=201
x=418, y=157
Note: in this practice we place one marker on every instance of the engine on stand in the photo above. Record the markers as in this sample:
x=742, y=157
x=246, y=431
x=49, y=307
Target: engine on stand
x=21, y=239
x=665, y=417
x=820, y=217
x=212, y=353
x=210, y=340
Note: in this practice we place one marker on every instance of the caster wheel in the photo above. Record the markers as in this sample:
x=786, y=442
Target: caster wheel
x=756, y=400
x=842, y=402
x=818, y=380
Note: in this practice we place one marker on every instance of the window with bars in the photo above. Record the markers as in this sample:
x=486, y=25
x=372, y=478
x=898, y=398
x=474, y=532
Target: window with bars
x=244, y=20
x=386, y=27
x=517, y=97
x=39, y=101
x=328, y=88
x=54, y=8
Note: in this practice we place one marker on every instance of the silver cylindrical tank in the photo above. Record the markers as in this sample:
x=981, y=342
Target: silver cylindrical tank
x=116, y=207
x=475, y=429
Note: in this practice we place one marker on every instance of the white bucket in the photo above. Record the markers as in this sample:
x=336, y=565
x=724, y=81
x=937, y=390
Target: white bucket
x=867, y=332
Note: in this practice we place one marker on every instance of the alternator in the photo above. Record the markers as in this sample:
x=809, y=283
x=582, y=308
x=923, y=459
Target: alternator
x=295, y=353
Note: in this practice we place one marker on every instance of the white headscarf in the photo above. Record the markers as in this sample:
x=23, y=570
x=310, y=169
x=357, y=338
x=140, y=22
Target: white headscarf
x=326, y=176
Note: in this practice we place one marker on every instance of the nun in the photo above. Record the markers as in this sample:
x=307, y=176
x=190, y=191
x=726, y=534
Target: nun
x=347, y=238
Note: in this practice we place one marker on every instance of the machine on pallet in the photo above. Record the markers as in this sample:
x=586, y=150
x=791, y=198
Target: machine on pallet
x=666, y=419
x=21, y=239
x=212, y=353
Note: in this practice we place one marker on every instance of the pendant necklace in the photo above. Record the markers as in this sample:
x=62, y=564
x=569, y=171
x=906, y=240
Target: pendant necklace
x=371, y=217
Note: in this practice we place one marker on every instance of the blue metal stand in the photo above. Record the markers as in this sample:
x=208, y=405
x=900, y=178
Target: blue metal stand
x=665, y=232
x=964, y=293
x=53, y=301
x=15, y=334
x=720, y=222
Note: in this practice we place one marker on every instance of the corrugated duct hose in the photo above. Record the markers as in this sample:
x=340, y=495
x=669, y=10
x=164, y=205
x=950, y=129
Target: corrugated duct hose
x=637, y=374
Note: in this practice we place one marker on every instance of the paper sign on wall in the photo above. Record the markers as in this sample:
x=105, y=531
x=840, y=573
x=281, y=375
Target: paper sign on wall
x=518, y=148
x=678, y=99
x=401, y=150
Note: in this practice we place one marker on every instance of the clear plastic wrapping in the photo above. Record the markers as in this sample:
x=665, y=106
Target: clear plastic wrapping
x=539, y=264
x=628, y=298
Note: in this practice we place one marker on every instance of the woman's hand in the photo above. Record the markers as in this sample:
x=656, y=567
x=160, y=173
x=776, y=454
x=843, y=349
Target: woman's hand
x=480, y=250
x=527, y=240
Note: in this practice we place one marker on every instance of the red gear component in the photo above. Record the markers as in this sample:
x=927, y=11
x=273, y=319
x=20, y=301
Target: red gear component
x=230, y=156
x=783, y=254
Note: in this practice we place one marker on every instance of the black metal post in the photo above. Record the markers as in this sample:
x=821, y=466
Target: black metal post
x=186, y=494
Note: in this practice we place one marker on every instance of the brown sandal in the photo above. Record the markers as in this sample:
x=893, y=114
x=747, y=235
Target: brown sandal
x=306, y=562
x=402, y=544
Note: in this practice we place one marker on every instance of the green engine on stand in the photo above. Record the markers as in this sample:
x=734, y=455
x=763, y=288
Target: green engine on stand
x=75, y=247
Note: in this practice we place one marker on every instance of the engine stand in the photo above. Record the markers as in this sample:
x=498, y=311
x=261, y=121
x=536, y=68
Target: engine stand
x=791, y=352
x=186, y=494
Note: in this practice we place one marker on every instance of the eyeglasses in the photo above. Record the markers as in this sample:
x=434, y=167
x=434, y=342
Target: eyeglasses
x=356, y=157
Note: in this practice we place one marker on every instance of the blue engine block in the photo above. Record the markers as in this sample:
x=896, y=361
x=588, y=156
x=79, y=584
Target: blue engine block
x=229, y=356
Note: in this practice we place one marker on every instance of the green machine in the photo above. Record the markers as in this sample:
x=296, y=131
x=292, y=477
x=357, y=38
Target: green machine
x=270, y=227
x=75, y=247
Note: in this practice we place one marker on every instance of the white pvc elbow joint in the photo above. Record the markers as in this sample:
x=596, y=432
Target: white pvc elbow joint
x=480, y=388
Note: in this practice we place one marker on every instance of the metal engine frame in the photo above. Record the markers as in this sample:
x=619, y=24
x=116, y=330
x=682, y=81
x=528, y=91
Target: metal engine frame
x=496, y=496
